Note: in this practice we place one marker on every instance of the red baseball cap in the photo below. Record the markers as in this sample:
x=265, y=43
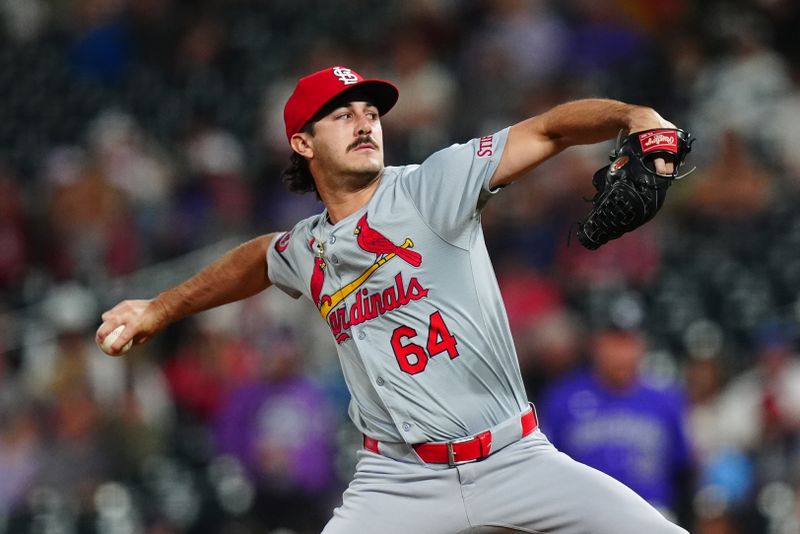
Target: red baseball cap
x=316, y=90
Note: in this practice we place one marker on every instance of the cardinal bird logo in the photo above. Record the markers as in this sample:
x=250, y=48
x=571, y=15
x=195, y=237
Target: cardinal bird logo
x=373, y=241
x=318, y=274
x=317, y=279
x=331, y=305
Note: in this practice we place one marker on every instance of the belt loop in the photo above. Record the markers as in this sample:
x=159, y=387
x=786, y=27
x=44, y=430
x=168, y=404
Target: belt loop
x=485, y=439
x=451, y=455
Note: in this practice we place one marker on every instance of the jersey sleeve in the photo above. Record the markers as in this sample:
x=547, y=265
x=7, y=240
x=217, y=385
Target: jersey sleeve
x=451, y=187
x=282, y=264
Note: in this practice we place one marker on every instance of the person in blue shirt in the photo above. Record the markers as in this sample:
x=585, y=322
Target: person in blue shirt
x=608, y=417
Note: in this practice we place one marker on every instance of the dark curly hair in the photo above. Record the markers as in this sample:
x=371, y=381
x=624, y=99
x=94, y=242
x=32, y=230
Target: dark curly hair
x=297, y=176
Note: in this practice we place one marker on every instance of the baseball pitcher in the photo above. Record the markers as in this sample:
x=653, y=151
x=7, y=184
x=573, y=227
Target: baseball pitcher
x=397, y=266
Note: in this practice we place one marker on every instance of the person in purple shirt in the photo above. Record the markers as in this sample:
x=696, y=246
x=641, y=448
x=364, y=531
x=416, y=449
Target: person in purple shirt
x=277, y=426
x=608, y=417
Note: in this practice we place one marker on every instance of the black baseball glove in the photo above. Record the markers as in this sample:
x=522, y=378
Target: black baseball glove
x=629, y=190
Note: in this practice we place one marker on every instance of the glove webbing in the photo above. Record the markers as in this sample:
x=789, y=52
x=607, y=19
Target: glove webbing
x=613, y=215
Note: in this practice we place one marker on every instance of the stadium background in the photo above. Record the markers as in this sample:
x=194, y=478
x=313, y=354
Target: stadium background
x=139, y=139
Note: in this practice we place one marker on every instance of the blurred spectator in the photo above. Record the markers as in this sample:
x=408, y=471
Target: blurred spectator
x=76, y=462
x=90, y=228
x=603, y=39
x=24, y=20
x=725, y=476
x=210, y=362
x=68, y=313
x=520, y=46
x=633, y=259
x=140, y=418
x=528, y=295
x=213, y=199
x=705, y=379
x=73, y=379
x=529, y=39
x=783, y=133
x=761, y=407
x=548, y=350
x=14, y=236
x=756, y=420
x=714, y=516
x=659, y=16
x=739, y=90
x=420, y=121
x=22, y=453
x=216, y=159
x=260, y=317
x=21, y=447
x=734, y=187
x=784, y=16
x=103, y=45
x=612, y=45
x=686, y=57
x=202, y=46
x=544, y=333
x=123, y=404
x=134, y=164
x=278, y=424
x=610, y=418
x=534, y=223
x=152, y=24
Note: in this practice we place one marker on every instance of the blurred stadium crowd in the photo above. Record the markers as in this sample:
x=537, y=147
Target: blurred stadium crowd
x=141, y=138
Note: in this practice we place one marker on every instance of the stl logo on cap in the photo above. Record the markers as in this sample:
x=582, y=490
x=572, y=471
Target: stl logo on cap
x=346, y=76
x=315, y=90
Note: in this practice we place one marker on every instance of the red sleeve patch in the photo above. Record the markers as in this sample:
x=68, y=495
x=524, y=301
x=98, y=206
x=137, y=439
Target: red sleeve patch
x=283, y=242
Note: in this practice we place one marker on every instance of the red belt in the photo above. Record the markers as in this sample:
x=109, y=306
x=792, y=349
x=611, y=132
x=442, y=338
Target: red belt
x=460, y=451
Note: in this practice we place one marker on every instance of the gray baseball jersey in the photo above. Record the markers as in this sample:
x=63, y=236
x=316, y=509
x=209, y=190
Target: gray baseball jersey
x=408, y=290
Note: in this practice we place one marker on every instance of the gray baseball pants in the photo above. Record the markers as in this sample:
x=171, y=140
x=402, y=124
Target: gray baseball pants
x=526, y=487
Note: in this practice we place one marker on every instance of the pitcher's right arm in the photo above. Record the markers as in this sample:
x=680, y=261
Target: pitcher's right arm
x=238, y=274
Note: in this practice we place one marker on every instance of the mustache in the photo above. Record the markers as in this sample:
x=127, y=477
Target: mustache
x=364, y=139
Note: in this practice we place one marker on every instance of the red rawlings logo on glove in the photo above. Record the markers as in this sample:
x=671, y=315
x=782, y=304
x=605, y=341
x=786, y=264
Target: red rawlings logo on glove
x=659, y=140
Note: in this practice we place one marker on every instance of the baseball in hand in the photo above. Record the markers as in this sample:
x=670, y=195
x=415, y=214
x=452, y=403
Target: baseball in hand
x=112, y=337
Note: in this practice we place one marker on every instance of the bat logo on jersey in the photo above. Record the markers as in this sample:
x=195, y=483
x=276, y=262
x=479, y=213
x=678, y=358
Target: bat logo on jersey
x=367, y=305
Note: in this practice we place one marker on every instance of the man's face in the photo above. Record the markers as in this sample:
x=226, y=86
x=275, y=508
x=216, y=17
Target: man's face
x=348, y=142
x=617, y=356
